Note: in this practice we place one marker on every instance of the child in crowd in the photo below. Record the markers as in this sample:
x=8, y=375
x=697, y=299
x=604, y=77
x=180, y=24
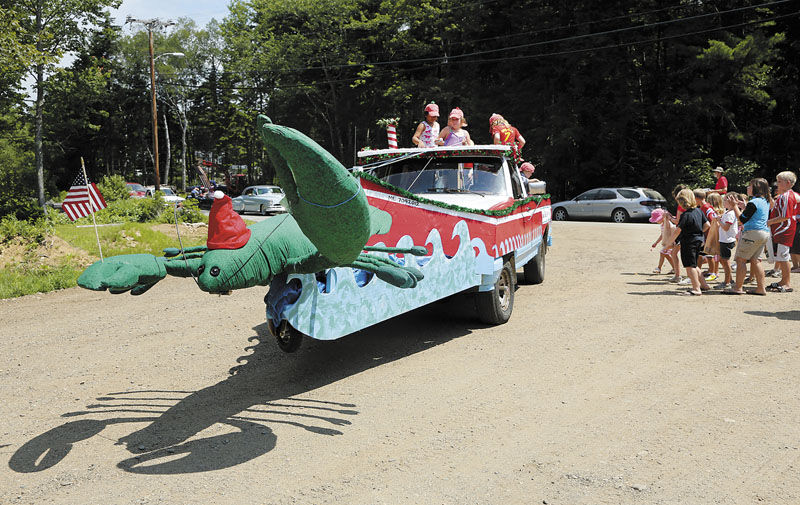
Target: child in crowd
x=715, y=211
x=661, y=217
x=691, y=226
x=783, y=226
x=728, y=230
x=454, y=134
x=428, y=130
x=754, y=236
x=705, y=207
x=676, y=249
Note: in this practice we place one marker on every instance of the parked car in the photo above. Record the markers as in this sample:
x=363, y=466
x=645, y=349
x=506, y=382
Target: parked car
x=619, y=204
x=135, y=189
x=262, y=199
x=170, y=196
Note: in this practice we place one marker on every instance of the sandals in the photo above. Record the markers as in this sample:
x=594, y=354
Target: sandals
x=690, y=293
x=777, y=288
x=755, y=293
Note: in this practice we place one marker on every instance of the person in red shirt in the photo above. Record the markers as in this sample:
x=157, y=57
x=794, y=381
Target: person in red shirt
x=783, y=227
x=503, y=133
x=722, y=183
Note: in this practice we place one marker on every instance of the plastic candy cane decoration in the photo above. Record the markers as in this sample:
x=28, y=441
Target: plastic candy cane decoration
x=391, y=134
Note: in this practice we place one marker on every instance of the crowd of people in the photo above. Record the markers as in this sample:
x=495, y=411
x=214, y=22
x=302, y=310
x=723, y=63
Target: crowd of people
x=715, y=227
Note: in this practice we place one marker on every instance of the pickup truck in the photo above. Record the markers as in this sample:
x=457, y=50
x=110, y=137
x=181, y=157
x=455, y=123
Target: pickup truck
x=469, y=206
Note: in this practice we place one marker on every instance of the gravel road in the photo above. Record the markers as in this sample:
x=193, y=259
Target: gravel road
x=605, y=387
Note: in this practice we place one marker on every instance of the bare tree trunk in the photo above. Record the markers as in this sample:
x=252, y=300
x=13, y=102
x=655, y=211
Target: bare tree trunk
x=169, y=152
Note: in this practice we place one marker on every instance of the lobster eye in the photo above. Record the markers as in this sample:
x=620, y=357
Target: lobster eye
x=201, y=269
x=214, y=271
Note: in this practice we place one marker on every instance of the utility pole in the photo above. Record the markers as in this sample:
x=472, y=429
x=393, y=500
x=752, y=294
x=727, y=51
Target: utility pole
x=152, y=24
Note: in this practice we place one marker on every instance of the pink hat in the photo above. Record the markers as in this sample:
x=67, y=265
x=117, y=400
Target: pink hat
x=494, y=118
x=456, y=113
x=226, y=228
x=527, y=168
x=657, y=215
x=432, y=109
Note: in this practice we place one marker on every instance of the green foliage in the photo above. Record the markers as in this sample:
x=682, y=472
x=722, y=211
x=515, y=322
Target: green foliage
x=188, y=212
x=33, y=232
x=595, y=108
x=29, y=279
x=739, y=172
x=113, y=188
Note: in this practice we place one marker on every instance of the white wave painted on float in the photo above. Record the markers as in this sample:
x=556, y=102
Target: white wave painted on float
x=347, y=307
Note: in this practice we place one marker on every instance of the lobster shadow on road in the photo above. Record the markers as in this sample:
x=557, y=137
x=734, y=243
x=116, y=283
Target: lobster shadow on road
x=259, y=392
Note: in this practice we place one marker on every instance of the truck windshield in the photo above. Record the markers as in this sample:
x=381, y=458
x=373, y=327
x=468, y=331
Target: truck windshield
x=483, y=175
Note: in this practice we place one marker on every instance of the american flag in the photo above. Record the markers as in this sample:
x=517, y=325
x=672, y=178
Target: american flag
x=82, y=200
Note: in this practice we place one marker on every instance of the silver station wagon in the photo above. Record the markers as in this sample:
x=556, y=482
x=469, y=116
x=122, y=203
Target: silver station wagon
x=619, y=204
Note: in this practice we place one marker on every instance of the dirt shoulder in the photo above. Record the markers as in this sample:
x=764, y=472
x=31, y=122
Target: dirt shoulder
x=605, y=387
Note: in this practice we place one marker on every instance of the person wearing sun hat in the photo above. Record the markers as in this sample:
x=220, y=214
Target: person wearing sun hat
x=722, y=183
x=660, y=216
x=428, y=130
x=454, y=134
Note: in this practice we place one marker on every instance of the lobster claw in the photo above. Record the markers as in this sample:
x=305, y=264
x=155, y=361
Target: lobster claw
x=118, y=274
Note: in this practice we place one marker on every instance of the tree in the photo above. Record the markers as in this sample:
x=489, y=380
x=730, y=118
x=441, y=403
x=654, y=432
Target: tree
x=53, y=27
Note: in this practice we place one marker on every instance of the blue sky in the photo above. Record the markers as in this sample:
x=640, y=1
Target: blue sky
x=201, y=11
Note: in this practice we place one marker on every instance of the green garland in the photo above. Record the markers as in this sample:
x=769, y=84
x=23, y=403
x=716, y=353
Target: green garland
x=428, y=153
x=389, y=121
x=407, y=194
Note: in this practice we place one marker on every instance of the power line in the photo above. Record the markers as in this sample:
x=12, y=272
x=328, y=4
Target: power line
x=520, y=46
x=507, y=58
x=556, y=28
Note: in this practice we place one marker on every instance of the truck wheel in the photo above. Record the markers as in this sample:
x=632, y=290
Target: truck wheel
x=289, y=339
x=495, y=306
x=533, y=271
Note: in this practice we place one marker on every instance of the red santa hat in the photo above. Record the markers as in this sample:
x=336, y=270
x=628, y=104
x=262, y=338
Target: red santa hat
x=226, y=228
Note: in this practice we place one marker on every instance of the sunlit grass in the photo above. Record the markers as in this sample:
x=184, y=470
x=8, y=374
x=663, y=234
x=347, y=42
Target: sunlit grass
x=21, y=281
x=128, y=238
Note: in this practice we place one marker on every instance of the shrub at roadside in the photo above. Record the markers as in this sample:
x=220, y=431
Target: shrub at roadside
x=113, y=188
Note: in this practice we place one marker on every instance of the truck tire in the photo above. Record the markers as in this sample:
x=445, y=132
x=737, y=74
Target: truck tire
x=495, y=306
x=533, y=271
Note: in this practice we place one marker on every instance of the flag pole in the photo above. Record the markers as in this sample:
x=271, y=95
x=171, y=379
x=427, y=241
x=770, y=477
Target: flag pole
x=91, y=210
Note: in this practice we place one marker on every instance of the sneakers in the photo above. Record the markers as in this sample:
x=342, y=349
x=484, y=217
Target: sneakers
x=685, y=282
x=772, y=273
x=656, y=270
x=711, y=277
x=675, y=279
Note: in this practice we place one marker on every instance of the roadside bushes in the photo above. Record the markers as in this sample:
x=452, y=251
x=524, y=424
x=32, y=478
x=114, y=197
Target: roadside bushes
x=31, y=231
x=113, y=188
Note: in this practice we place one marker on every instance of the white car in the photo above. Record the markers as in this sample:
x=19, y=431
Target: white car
x=169, y=194
x=261, y=199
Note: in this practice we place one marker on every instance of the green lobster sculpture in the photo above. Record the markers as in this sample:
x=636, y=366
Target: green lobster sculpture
x=328, y=225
